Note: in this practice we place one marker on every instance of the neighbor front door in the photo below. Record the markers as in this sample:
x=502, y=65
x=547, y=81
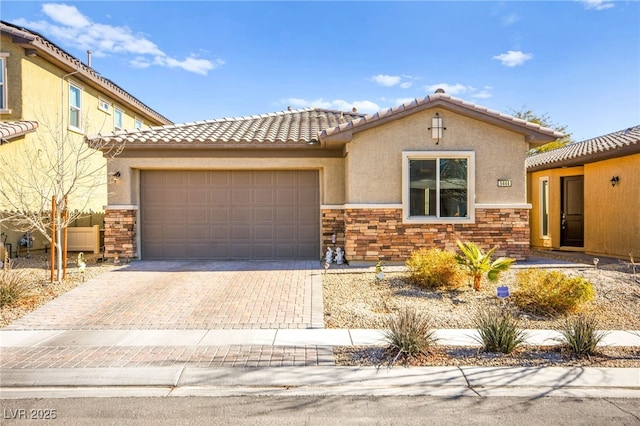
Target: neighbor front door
x=572, y=211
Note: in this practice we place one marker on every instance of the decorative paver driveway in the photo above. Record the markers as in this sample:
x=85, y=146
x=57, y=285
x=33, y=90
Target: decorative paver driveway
x=189, y=295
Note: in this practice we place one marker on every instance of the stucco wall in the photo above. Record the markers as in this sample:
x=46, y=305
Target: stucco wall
x=611, y=214
x=374, y=160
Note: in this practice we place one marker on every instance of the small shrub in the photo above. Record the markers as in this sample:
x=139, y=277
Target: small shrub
x=551, y=292
x=477, y=263
x=434, y=268
x=580, y=333
x=499, y=331
x=410, y=333
x=12, y=286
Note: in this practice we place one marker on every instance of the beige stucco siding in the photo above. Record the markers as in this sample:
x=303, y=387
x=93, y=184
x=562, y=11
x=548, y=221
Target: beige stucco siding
x=126, y=190
x=374, y=159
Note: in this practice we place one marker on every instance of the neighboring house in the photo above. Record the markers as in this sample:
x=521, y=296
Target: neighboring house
x=586, y=196
x=288, y=185
x=48, y=96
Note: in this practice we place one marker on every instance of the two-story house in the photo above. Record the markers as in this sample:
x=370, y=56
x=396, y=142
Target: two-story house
x=49, y=101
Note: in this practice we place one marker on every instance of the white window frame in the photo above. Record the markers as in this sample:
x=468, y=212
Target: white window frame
x=407, y=156
x=117, y=112
x=104, y=105
x=78, y=108
x=544, y=207
x=4, y=106
x=138, y=123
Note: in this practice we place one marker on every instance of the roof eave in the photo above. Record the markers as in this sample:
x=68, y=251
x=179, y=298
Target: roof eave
x=587, y=159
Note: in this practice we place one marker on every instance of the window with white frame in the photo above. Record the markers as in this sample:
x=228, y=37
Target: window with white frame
x=104, y=105
x=75, y=107
x=118, y=119
x=544, y=207
x=137, y=123
x=3, y=81
x=438, y=187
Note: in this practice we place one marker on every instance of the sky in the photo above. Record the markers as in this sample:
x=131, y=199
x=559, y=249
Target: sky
x=576, y=63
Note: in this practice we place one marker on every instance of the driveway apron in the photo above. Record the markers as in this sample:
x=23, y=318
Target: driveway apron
x=189, y=295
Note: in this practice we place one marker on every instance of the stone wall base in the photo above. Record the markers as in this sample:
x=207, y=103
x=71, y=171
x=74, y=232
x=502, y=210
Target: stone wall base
x=380, y=234
x=120, y=233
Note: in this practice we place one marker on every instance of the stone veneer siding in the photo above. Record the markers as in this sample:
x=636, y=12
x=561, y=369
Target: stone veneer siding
x=120, y=233
x=380, y=234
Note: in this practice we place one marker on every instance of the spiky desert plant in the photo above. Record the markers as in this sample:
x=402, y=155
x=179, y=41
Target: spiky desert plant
x=580, y=333
x=498, y=330
x=478, y=263
x=410, y=332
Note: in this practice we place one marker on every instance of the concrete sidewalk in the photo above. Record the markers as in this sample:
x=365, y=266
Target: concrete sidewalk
x=101, y=363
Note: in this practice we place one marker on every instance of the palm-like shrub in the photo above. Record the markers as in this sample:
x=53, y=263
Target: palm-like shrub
x=410, y=333
x=478, y=263
x=434, y=268
x=580, y=333
x=498, y=330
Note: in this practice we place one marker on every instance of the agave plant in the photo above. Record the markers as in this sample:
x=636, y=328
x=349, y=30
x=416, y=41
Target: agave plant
x=478, y=263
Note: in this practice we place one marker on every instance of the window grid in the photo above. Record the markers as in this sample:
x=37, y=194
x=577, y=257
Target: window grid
x=75, y=107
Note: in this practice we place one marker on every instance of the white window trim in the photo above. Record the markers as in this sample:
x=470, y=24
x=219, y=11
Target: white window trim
x=102, y=101
x=121, y=111
x=543, y=203
x=137, y=120
x=4, y=91
x=81, y=89
x=428, y=155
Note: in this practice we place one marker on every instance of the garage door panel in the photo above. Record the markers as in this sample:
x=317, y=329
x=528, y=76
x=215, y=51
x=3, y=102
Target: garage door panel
x=230, y=214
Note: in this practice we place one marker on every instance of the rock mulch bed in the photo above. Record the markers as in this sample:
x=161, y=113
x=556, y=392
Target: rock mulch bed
x=358, y=300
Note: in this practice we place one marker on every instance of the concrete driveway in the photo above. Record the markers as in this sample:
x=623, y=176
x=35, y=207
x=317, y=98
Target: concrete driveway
x=189, y=295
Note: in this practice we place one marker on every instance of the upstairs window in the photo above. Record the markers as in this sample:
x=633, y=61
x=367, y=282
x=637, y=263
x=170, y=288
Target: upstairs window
x=138, y=123
x=104, y=105
x=438, y=187
x=118, y=119
x=75, y=107
x=3, y=82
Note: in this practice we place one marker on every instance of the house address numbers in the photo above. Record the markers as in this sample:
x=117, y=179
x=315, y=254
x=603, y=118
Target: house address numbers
x=504, y=183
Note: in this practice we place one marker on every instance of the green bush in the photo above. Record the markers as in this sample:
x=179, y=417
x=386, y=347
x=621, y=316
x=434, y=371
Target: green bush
x=410, y=333
x=12, y=286
x=434, y=268
x=580, y=333
x=499, y=331
x=551, y=292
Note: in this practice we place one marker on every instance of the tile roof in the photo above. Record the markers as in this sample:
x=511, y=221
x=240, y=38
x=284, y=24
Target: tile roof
x=14, y=129
x=616, y=144
x=33, y=40
x=293, y=127
x=534, y=132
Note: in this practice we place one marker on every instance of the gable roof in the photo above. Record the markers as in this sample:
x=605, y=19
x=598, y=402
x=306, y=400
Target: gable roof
x=533, y=133
x=46, y=49
x=14, y=129
x=612, y=145
x=279, y=129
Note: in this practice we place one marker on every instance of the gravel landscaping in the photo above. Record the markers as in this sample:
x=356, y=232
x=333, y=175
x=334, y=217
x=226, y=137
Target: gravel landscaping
x=358, y=300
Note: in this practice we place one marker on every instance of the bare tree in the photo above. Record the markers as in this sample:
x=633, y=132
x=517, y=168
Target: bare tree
x=61, y=165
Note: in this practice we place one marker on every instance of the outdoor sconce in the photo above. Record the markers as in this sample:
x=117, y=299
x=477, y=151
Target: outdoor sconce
x=614, y=180
x=436, y=128
x=115, y=176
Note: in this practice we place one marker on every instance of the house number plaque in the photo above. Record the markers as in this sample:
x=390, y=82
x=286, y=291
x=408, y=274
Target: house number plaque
x=504, y=182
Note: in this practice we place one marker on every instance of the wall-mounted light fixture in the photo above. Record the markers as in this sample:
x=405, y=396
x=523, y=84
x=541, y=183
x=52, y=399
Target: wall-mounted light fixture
x=115, y=176
x=614, y=180
x=436, y=128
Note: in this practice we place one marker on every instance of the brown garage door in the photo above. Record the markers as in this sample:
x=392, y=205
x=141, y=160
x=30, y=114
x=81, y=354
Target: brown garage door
x=237, y=214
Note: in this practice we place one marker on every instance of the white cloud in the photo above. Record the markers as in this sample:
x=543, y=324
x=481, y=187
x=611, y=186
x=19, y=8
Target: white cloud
x=386, y=80
x=403, y=81
x=450, y=89
x=367, y=107
x=73, y=28
x=598, y=4
x=513, y=58
x=510, y=19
